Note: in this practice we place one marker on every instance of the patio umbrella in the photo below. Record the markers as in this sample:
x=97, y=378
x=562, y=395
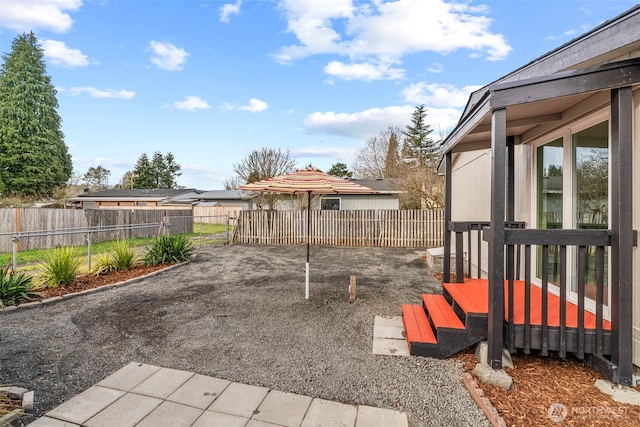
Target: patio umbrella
x=309, y=181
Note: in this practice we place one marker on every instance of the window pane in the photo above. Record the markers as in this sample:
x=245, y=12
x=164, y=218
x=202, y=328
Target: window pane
x=549, y=184
x=330, y=204
x=591, y=194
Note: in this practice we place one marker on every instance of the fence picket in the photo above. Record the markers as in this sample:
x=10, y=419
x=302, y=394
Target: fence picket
x=387, y=228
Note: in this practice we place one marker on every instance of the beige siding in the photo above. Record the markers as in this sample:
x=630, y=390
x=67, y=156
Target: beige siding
x=471, y=184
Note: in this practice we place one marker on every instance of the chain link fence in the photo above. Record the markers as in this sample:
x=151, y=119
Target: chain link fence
x=25, y=249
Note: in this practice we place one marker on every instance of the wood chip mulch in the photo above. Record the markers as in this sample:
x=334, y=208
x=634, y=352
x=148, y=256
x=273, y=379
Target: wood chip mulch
x=540, y=382
x=90, y=281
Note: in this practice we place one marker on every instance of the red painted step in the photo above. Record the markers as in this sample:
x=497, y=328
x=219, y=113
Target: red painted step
x=417, y=325
x=440, y=312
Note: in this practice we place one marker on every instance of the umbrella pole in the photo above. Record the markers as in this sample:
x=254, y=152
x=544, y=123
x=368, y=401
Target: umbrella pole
x=306, y=293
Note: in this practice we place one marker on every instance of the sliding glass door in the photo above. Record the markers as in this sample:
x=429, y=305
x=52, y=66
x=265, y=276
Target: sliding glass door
x=572, y=192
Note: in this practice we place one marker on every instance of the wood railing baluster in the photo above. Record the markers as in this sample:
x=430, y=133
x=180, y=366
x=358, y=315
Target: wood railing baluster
x=563, y=301
x=527, y=299
x=545, y=300
x=599, y=299
x=582, y=262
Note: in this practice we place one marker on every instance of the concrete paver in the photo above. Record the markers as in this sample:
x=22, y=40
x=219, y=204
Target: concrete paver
x=171, y=414
x=199, y=391
x=369, y=416
x=187, y=399
x=327, y=413
x=129, y=377
x=124, y=412
x=239, y=399
x=286, y=409
x=388, y=336
x=51, y=422
x=209, y=418
x=162, y=383
x=86, y=404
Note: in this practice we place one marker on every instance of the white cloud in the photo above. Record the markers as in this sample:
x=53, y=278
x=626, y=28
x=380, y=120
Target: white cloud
x=364, y=71
x=192, y=103
x=99, y=93
x=344, y=154
x=254, y=106
x=59, y=54
x=27, y=15
x=435, y=68
x=167, y=56
x=438, y=95
x=382, y=32
x=229, y=9
x=368, y=123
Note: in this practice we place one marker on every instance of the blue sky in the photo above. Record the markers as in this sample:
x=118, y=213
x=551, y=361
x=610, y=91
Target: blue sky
x=211, y=80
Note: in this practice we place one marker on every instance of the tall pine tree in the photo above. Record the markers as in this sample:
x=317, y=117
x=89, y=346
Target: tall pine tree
x=418, y=147
x=33, y=156
x=158, y=173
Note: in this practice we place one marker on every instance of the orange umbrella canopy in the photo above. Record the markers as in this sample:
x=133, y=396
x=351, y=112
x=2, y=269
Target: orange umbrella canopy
x=308, y=180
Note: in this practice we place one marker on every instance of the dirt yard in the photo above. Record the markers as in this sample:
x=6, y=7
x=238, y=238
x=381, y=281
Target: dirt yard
x=239, y=313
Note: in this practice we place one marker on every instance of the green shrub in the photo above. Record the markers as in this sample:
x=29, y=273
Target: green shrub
x=169, y=249
x=61, y=266
x=15, y=288
x=122, y=257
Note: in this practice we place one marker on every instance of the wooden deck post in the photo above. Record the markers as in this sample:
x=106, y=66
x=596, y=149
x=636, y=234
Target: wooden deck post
x=622, y=228
x=496, y=238
x=446, y=261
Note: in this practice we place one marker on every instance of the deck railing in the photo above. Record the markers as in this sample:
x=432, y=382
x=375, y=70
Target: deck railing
x=587, y=248
x=470, y=229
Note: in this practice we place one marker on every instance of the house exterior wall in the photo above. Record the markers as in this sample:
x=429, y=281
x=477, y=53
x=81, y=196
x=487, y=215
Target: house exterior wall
x=378, y=202
x=347, y=202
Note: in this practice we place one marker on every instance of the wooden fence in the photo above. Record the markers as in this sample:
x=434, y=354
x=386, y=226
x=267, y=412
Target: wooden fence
x=58, y=225
x=387, y=228
x=215, y=214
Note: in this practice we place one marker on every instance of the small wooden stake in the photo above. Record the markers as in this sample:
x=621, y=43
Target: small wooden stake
x=352, y=288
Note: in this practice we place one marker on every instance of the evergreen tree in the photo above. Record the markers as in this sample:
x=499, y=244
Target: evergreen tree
x=392, y=161
x=142, y=173
x=33, y=156
x=159, y=172
x=97, y=178
x=340, y=170
x=418, y=147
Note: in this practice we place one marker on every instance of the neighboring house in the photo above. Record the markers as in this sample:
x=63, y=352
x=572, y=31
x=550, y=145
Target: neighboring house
x=232, y=198
x=386, y=198
x=554, y=147
x=135, y=198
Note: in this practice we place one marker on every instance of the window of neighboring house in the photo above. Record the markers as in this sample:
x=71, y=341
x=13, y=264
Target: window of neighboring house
x=330, y=204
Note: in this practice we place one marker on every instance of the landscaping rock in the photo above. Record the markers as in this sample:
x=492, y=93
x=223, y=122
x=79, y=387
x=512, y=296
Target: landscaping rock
x=12, y=392
x=618, y=393
x=493, y=377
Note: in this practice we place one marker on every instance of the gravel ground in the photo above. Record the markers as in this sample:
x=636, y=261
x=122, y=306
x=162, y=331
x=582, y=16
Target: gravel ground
x=239, y=313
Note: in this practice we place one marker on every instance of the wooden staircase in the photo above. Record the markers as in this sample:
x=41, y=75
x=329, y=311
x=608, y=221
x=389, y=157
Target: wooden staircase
x=436, y=328
x=447, y=323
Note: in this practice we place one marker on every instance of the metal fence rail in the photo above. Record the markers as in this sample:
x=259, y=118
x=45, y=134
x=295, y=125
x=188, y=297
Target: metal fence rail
x=23, y=246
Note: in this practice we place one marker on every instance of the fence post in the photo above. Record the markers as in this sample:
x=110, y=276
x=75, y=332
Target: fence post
x=228, y=221
x=16, y=241
x=166, y=229
x=89, y=250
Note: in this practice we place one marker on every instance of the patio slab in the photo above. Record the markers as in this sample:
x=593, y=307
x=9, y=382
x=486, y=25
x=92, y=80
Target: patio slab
x=189, y=399
x=389, y=336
